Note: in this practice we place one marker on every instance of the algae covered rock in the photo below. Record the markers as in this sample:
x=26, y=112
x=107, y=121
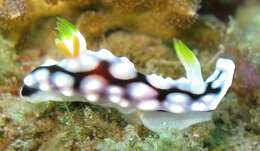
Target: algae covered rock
x=16, y=16
x=165, y=19
x=165, y=141
x=8, y=66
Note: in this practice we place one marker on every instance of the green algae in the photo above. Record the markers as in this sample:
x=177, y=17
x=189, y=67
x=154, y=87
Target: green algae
x=22, y=144
x=29, y=126
x=243, y=34
x=250, y=25
x=233, y=127
x=218, y=140
x=254, y=124
x=22, y=123
x=174, y=141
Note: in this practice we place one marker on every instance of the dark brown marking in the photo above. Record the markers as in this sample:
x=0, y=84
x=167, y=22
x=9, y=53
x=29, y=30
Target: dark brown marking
x=103, y=70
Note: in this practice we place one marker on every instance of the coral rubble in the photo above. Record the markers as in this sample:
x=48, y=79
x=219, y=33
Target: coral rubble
x=164, y=19
x=17, y=15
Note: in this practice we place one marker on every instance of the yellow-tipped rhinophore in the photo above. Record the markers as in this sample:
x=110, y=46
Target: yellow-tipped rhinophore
x=60, y=44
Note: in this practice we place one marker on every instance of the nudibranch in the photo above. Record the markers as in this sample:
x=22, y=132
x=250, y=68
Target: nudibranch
x=102, y=78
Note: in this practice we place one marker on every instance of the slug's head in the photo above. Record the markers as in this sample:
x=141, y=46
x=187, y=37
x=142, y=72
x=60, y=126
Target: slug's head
x=37, y=84
x=40, y=81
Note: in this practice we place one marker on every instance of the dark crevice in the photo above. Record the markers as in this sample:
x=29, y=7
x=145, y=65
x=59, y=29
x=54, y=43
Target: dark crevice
x=222, y=9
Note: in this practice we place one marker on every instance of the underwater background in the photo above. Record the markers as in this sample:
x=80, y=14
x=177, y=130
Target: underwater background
x=143, y=31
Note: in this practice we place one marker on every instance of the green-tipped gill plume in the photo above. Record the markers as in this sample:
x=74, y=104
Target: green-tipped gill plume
x=191, y=65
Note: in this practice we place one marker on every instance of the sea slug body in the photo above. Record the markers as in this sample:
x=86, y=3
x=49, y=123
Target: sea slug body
x=103, y=78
